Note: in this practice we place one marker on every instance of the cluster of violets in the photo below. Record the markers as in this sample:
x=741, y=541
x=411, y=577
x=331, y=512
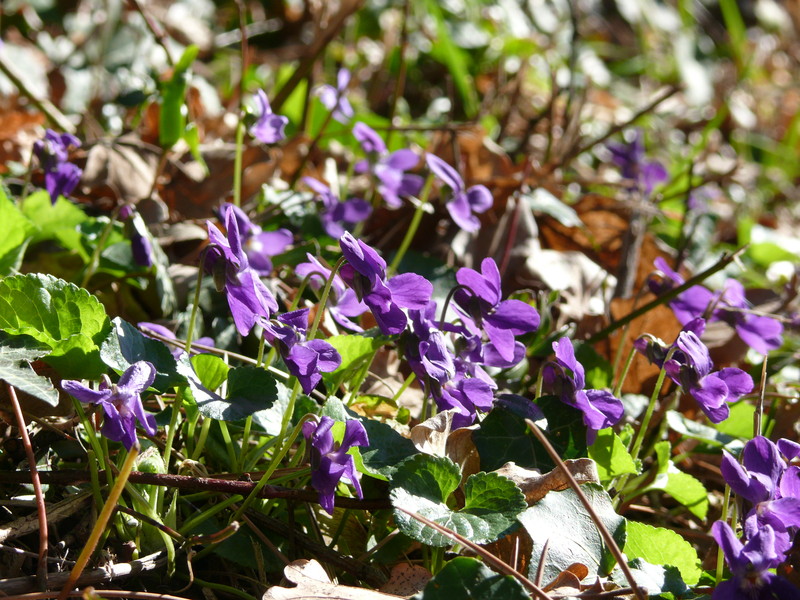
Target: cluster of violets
x=61, y=177
x=769, y=485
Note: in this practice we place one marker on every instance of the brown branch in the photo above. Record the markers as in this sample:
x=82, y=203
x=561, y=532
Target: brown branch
x=41, y=509
x=201, y=484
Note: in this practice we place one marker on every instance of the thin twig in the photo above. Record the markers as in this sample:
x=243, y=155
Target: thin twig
x=497, y=564
x=604, y=532
x=41, y=509
x=667, y=296
x=155, y=29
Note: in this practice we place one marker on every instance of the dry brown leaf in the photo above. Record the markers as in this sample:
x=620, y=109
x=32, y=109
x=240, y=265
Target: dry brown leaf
x=436, y=437
x=535, y=485
x=406, y=580
x=123, y=169
x=569, y=580
x=312, y=582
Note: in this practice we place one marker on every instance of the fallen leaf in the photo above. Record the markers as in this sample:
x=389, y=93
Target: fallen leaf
x=535, y=485
x=312, y=582
x=406, y=580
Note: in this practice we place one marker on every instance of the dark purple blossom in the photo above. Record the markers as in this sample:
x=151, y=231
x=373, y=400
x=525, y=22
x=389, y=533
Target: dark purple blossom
x=760, y=332
x=259, y=246
x=464, y=201
x=467, y=395
x=365, y=273
x=337, y=216
x=482, y=306
x=629, y=157
x=566, y=378
x=426, y=347
x=164, y=332
x=269, y=127
x=248, y=297
x=760, y=481
x=60, y=175
x=388, y=169
x=335, y=98
x=304, y=358
x=749, y=564
x=135, y=227
x=330, y=463
x=342, y=301
x=121, y=402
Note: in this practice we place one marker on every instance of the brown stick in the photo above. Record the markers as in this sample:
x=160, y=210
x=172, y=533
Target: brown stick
x=604, y=532
x=41, y=509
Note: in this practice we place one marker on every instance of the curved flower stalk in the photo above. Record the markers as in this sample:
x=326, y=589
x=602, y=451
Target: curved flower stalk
x=259, y=245
x=121, y=402
x=269, y=128
x=388, y=169
x=464, y=202
x=342, y=304
x=335, y=98
x=248, y=297
x=566, y=378
x=760, y=332
x=176, y=351
x=329, y=463
x=365, y=273
x=690, y=366
x=304, y=358
x=338, y=216
x=61, y=177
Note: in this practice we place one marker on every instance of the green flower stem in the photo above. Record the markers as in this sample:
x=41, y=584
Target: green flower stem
x=276, y=460
x=323, y=299
x=624, y=374
x=94, y=261
x=248, y=424
x=144, y=507
x=201, y=440
x=192, y=522
x=412, y=228
x=226, y=437
x=237, y=161
x=177, y=403
x=409, y=380
x=639, y=438
x=102, y=521
x=94, y=475
x=723, y=517
x=99, y=455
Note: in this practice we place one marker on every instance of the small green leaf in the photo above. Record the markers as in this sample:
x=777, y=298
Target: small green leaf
x=423, y=484
x=354, y=350
x=561, y=518
x=17, y=232
x=51, y=219
x=681, y=486
x=126, y=345
x=61, y=315
x=740, y=421
x=212, y=370
x=611, y=456
x=465, y=577
x=660, y=546
x=677, y=422
x=172, y=115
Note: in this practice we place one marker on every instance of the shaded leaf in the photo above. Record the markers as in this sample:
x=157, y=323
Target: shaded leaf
x=465, y=577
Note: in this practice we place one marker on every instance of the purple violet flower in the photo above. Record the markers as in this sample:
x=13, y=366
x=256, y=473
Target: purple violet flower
x=304, y=358
x=690, y=367
x=365, y=273
x=388, y=169
x=566, y=378
x=481, y=306
x=335, y=98
x=121, y=402
x=60, y=176
x=760, y=332
x=248, y=297
x=329, y=464
x=259, y=246
x=269, y=127
x=749, y=564
x=464, y=202
x=342, y=301
x=760, y=481
x=136, y=229
x=176, y=351
x=629, y=157
x=337, y=216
